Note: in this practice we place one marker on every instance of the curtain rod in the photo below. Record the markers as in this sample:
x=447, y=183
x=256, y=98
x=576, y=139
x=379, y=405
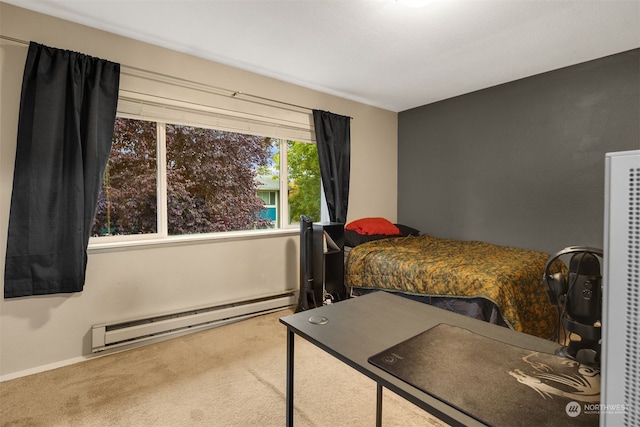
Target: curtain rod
x=233, y=93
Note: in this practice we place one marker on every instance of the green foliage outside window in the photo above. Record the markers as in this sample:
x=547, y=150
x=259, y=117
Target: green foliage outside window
x=304, y=181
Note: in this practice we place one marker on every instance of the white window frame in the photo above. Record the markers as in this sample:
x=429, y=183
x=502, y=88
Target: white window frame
x=138, y=106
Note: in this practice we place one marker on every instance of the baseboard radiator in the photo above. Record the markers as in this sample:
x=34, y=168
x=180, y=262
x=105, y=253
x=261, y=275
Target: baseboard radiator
x=136, y=332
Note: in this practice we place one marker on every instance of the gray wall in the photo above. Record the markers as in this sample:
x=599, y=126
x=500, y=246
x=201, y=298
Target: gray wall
x=520, y=164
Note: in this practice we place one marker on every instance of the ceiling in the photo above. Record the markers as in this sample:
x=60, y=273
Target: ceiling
x=382, y=53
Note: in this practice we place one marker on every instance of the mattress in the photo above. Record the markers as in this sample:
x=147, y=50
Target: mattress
x=508, y=277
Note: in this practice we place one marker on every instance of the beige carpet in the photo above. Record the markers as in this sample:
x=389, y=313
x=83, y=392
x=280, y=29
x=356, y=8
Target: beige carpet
x=229, y=376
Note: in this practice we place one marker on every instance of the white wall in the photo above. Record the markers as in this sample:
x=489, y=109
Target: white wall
x=41, y=332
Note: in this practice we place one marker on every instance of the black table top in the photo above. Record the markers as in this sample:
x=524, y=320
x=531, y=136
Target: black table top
x=358, y=328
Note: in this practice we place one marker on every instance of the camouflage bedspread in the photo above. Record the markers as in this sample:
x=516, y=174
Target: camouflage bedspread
x=509, y=277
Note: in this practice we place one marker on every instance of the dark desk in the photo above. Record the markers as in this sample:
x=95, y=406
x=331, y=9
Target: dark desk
x=361, y=327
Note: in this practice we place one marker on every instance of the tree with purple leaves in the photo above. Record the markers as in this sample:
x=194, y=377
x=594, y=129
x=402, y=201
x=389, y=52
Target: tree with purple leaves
x=211, y=184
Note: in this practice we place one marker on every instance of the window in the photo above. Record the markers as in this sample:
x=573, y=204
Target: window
x=168, y=179
x=270, y=210
x=303, y=171
x=127, y=203
x=268, y=197
x=211, y=180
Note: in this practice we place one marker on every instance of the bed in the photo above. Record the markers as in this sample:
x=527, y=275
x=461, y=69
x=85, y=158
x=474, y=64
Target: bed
x=498, y=284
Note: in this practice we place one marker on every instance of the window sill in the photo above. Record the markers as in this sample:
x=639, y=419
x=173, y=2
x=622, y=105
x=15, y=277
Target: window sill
x=120, y=245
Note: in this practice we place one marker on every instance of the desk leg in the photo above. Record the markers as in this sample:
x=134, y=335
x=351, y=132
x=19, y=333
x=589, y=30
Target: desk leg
x=378, y=405
x=290, y=340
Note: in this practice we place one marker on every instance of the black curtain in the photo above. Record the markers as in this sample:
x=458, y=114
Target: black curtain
x=333, y=137
x=65, y=128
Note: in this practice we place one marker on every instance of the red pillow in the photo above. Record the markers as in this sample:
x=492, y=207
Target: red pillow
x=373, y=226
